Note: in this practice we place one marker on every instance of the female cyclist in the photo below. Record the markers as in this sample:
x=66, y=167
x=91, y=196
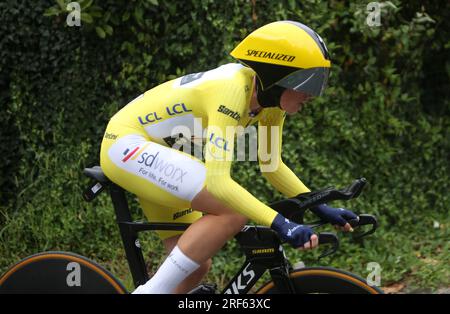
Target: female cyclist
x=282, y=64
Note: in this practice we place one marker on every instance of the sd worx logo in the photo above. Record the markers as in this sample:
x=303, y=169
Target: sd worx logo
x=155, y=164
x=127, y=154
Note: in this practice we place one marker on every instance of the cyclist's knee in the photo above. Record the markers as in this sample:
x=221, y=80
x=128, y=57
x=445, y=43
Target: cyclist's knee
x=236, y=221
x=206, y=202
x=241, y=221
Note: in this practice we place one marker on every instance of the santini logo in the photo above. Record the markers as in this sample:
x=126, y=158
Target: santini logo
x=110, y=136
x=270, y=55
x=182, y=213
x=233, y=114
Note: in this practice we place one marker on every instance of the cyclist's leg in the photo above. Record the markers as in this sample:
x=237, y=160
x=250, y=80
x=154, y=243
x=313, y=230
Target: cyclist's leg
x=158, y=213
x=194, y=279
x=197, y=244
x=173, y=179
x=205, y=237
x=151, y=171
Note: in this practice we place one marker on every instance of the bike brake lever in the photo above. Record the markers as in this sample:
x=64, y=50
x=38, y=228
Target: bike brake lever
x=328, y=238
x=364, y=219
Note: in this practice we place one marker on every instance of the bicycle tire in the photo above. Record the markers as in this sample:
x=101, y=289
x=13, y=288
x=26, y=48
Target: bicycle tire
x=323, y=280
x=58, y=272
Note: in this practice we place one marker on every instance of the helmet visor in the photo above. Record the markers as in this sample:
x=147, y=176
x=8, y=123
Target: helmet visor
x=310, y=81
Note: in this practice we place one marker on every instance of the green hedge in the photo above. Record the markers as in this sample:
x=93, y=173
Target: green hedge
x=385, y=116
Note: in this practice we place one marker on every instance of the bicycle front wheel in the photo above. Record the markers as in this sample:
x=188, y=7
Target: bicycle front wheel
x=323, y=280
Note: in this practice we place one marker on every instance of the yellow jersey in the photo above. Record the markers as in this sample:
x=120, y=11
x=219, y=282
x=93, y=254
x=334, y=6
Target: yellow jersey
x=210, y=107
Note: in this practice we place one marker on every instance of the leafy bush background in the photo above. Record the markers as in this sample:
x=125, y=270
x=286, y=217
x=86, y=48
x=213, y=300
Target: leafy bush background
x=385, y=116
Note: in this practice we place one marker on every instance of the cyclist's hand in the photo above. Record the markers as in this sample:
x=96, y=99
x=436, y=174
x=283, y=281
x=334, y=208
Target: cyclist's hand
x=313, y=243
x=339, y=217
x=299, y=236
x=346, y=228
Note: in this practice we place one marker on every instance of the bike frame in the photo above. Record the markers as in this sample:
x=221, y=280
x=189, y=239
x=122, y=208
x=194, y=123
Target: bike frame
x=261, y=246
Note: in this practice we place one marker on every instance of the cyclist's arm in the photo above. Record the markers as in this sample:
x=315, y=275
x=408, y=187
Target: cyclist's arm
x=271, y=164
x=218, y=156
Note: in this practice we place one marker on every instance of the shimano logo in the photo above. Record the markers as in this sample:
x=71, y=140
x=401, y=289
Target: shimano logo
x=233, y=114
x=270, y=55
x=263, y=251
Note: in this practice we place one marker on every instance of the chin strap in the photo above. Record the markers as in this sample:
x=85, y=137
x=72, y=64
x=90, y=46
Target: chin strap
x=270, y=97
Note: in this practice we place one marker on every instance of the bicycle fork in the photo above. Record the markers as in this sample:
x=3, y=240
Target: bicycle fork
x=281, y=279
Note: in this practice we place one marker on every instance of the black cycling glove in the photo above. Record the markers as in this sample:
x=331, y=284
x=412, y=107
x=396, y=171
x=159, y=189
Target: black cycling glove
x=295, y=234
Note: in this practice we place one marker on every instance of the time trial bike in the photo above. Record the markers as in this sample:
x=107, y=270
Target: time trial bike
x=66, y=272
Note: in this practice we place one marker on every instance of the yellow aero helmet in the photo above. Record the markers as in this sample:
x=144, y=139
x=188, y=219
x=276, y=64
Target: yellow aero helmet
x=287, y=54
